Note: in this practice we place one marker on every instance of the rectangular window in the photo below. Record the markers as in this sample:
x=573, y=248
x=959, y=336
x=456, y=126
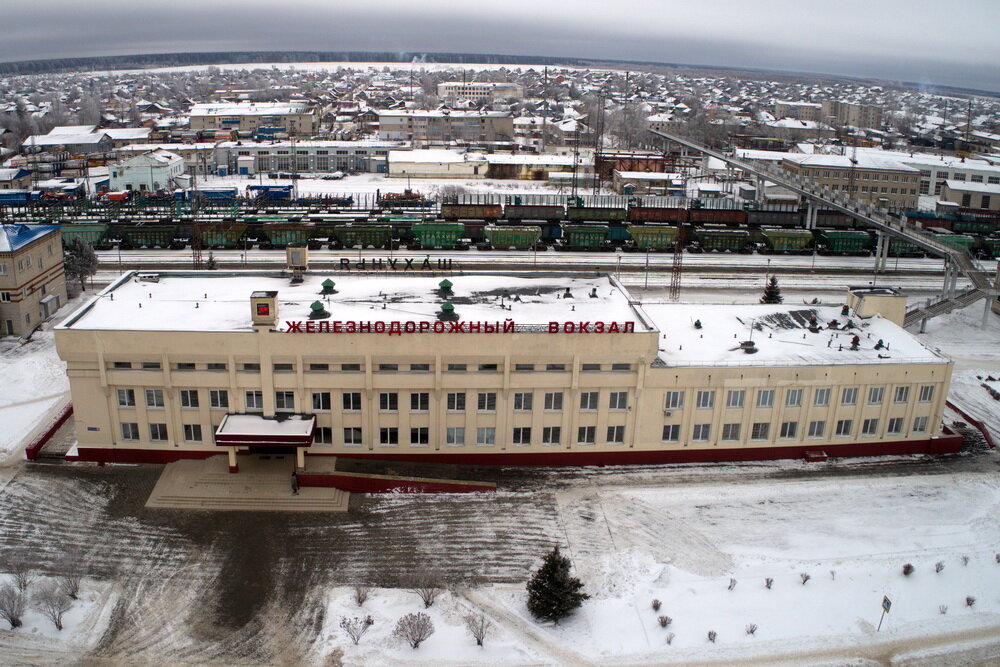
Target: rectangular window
x=284, y=400
x=388, y=368
x=731, y=431
x=456, y=368
x=616, y=435
x=869, y=427
x=388, y=401
x=5, y=298
x=674, y=400
x=126, y=398
x=553, y=400
x=319, y=368
x=456, y=402
x=388, y=435
x=122, y=365
x=926, y=394
x=323, y=436
x=844, y=427
x=590, y=368
x=486, y=401
x=760, y=431
x=895, y=425
x=187, y=366
x=621, y=367
x=192, y=432
x=734, y=398
x=521, y=435
x=130, y=431
x=701, y=432
x=920, y=425
x=706, y=400
x=350, y=368
x=352, y=435
x=523, y=401
x=151, y=365
x=789, y=430
x=486, y=436
x=321, y=401
x=588, y=400
x=619, y=400
x=216, y=367
x=817, y=429
x=420, y=368
x=671, y=432
x=420, y=402
x=158, y=432
x=255, y=400
x=793, y=398
x=875, y=395
x=351, y=401
x=765, y=398
x=488, y=368
x=821, y=397
x=524, y=367
x=251, y=368
x=189, y=398
x=455, y=435
x=154, y=398
x=586, y=435
x=555, y=368
x=902, y=395
x=420, y=436
x=849, y=396
x=551, y=435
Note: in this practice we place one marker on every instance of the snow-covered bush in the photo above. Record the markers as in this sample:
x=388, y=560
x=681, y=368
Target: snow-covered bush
x=356, y=627
x=478, y=626
x=361, y=594
x=969, y=601
x=833, y=575
x=52, y=602
x=13, y=604
x=23, y=576
x=751, y=629
x=670, y=637
x=711, y=636
x=656, y=605
x=805, y=577
x=907, y=570
x=942, y=609
x=664, y=621
x=938, y=566
x=732, y=584
x=768, y=582
x=414, y=629
x=965, y=560
x=427, y=589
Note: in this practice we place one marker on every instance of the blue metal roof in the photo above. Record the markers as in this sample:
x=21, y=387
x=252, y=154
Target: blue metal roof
x=15, y=237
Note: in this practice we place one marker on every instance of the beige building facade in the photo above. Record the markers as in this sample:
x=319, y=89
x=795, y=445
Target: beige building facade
x=32, y=281
x=295, y=117
x=877, y=181
x=540, y=369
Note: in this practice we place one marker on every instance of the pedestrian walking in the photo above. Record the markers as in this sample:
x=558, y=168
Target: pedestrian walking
x=295, y=484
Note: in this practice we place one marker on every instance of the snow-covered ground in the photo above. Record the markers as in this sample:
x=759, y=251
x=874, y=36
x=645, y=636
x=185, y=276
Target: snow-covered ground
x=83, y=624
x=34, y=383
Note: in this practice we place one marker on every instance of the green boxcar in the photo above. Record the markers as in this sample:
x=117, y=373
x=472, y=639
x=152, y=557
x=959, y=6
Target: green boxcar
x=219, y=237
x=846, y=242
x=973, y=227
x=989, y=248
x=350, y=236
x=901, y=248
x=91, y=233
x=517, y=237
x=280, y=235
x=443, y=235
x=585, y=237
x=791, y=241
x=148, y=236
x=723, y=240
x=654, y=237
x=599, y=213
x=960, y=241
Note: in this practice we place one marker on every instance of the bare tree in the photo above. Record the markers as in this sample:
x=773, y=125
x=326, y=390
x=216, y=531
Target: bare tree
x=24, y=576
x=361, y=592
x=70, y=584
x=428, y=589
x=478, y=625
x=51, y=601
x=414, y=628
x=12, y=605
x=356, y=627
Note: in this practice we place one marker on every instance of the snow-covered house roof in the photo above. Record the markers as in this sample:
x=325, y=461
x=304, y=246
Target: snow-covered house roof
x=72, y=130
x=15, y=237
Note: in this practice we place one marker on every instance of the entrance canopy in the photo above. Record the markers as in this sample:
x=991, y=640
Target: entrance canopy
x=259, y=431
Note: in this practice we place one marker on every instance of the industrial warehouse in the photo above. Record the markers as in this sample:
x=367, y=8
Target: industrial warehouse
x=521, y=369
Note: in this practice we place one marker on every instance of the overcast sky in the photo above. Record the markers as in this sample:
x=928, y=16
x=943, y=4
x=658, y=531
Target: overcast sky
x=952, y=42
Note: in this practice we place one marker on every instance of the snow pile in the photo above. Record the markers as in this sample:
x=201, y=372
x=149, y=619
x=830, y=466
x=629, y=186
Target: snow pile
x=34, y=382
x=83, y=625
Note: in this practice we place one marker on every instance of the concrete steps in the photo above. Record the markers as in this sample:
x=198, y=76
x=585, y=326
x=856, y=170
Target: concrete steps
x=308, y=500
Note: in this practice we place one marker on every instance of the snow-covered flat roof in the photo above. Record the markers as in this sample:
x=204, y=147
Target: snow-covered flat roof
x=249, y=108
x=969, y=186
x=781, y=334
x=292, y=425
x=217, y=301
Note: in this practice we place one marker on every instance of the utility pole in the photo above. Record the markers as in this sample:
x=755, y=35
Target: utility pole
x=598, y=141
x=545, y=102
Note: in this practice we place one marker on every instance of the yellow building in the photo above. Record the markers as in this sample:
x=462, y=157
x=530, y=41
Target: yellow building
x=32, y=281
x=539, y=368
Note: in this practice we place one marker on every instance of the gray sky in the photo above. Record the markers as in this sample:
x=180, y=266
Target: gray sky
x=953, y=43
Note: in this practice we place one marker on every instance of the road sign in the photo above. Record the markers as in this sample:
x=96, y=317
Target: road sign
x=886, y=604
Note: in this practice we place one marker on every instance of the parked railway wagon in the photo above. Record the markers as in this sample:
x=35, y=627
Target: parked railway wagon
x=443, y=235
x=148, y=236
x=717, y=216
x=901, y=248
x=361, y=235
x=585, y=237
x=836, y=220
x=596, y=214
x=227, y=237
x=489, y=212
x=270, y=192
x=973, y=226
x=654, y=214
x=959, y=241
x=989, y=247
x=785, y=219
x=785, y=242
x=844, y=242
x=721, y=240
x=518, y=212
x=280, y=235
x=657, y=238
x=91, y=233
x=511, y=237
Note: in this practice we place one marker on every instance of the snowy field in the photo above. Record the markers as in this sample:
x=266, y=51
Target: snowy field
x=34, y=384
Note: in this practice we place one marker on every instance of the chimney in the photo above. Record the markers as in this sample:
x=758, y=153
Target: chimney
x=264, y=309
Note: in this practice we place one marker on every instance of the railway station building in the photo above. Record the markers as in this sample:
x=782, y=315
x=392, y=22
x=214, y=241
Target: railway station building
x=520, y=369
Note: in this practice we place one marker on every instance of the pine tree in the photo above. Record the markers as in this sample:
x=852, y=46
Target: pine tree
x=552, y=592
x=80, y=262
x=212, y=265
x=772, y=293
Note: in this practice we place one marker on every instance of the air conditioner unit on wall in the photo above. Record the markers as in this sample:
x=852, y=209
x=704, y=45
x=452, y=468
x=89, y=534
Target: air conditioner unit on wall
x=667, y=413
